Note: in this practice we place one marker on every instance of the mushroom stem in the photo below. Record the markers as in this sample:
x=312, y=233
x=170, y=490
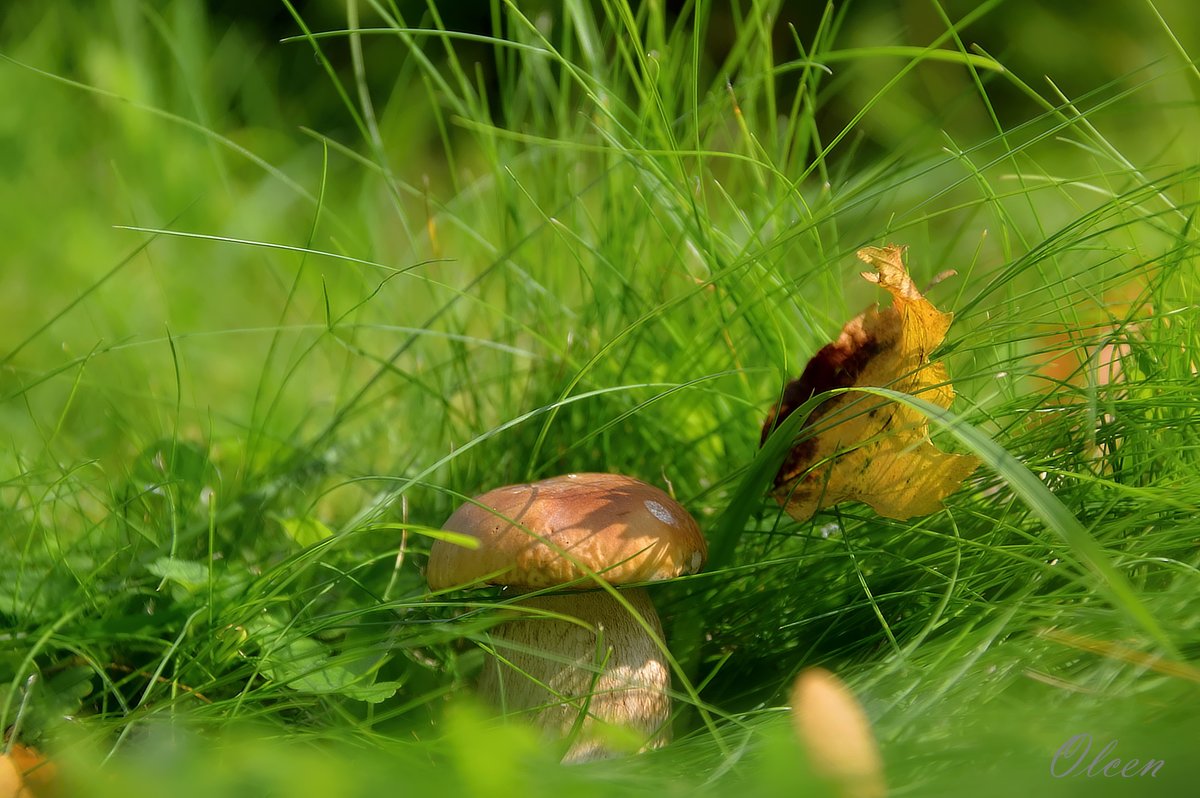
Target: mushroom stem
x=608, y=666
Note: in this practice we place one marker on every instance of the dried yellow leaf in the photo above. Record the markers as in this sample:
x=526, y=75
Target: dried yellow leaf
x=857, y=447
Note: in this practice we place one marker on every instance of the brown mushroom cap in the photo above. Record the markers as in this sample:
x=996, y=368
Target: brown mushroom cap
x=616, y=526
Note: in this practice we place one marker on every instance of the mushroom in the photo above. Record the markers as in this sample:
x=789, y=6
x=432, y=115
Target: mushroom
x=603, y=668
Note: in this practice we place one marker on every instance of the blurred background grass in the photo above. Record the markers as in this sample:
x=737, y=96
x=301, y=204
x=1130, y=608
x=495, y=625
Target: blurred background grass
x=402, y=267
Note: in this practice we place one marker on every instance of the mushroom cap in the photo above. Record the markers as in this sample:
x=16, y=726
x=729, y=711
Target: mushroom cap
x=616, y=526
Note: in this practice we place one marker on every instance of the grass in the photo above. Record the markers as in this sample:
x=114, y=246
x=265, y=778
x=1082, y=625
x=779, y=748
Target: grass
x=273, y=309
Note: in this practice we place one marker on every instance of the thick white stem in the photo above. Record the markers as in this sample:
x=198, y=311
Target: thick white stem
x=606, y=666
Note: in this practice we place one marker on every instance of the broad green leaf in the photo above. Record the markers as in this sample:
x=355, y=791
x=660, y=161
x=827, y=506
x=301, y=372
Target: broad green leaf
x=306, y=666
x=305, y=531
x=187, y=573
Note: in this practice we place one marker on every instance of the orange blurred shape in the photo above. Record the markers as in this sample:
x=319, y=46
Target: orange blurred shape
x=1092, y=354
x=836, y=735
x=1064, y=359
x=25, y=773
